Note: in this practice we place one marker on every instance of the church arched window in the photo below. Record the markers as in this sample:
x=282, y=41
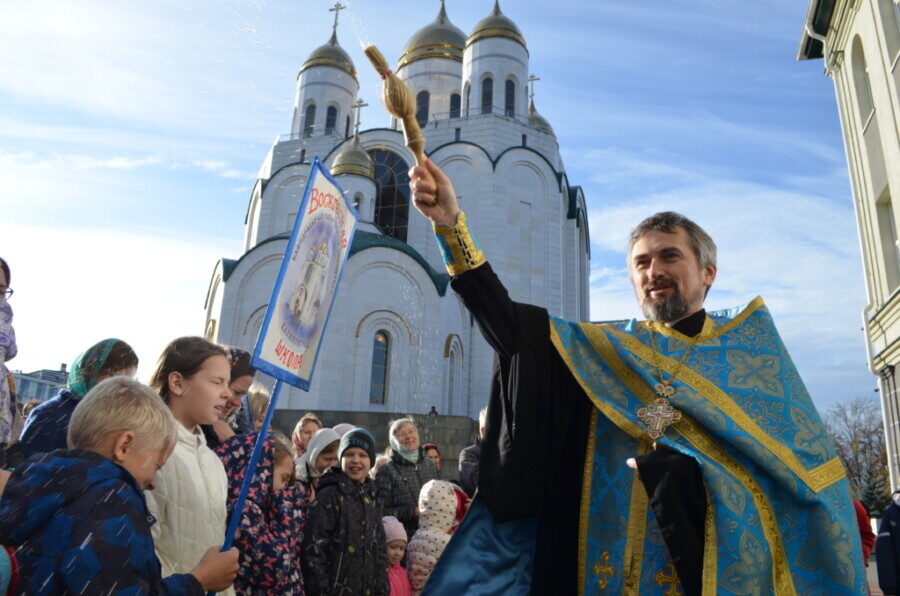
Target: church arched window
x=890, y=22
x=347, y=128
x=454, y=105
x=381, y=359
x=510, y=98
x=309, y=121
x=422, y=107
x=330, y=120
x=861, y=81
x=487, y=95
x=391, y=193
x=467, y=91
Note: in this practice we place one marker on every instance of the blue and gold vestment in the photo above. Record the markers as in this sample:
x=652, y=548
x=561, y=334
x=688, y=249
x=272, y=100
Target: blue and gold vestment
x=779, y=515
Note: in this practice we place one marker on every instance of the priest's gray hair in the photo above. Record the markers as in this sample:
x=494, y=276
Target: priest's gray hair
x=669, y=222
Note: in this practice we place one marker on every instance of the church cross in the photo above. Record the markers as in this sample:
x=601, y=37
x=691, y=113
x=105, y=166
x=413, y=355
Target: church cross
x=658, y=416
x=671, y=578
x=532, y=79
x=357, y=106
x=338, y=7
x=603, y=568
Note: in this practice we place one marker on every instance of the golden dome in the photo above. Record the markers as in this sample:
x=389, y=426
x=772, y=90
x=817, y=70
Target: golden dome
x=495, y=24
x=438, y=39
x=353, y=160
x=537, y=121
x=331, y=54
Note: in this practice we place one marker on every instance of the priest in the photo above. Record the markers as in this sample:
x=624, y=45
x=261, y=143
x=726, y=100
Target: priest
x=681, y=454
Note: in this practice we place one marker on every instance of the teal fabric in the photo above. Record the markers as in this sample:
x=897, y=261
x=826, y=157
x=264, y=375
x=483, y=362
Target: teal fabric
x=486, y=558
x=86, y=369
x=783, y=517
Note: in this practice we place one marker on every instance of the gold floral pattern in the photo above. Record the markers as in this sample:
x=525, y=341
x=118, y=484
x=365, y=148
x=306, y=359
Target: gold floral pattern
x=758, y=372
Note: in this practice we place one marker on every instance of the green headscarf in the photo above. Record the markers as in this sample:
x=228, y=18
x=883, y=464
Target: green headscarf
x=85, y=371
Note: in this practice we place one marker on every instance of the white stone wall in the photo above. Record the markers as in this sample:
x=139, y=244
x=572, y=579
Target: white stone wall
x=500, y=58
x=325, y=86
x=441, y=77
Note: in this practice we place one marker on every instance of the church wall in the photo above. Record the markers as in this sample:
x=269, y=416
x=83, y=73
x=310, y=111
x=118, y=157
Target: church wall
x=281, y=200
x=440, y=77
x=323, y=86
x=500, y=58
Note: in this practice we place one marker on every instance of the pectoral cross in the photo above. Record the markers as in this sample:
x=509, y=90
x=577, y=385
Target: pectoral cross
x=338, y=7
x=671, y=578
x=658, y=416
x=603, y=568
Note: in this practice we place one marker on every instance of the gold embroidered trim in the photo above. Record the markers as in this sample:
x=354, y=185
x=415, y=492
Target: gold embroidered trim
x=709, y=331
x=781, y=574
x=584, y=517
x=816, y=479
x=637, y=528
x=710, y=551
x=458, y=248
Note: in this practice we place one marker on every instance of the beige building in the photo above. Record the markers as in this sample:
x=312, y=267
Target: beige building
x=859, y=42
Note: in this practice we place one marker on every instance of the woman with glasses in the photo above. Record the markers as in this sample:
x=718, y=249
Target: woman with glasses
x=7, y=352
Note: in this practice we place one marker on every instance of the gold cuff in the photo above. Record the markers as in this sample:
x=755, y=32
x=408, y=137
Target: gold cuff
x=458, y=247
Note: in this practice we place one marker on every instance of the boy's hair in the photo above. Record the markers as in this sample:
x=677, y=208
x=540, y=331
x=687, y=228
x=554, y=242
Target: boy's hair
x=121, y=404
x=184, y=355
x=259, y=398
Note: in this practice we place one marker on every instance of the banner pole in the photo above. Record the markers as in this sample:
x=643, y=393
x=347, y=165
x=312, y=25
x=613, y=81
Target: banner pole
x=238, y=511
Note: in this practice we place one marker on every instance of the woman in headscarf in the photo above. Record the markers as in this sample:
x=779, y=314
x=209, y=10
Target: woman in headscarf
x=235, y=419
x=7, y=352
x=48, y=425
x=400, y=480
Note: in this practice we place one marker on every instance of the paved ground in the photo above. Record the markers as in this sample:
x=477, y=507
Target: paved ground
x=872, y=573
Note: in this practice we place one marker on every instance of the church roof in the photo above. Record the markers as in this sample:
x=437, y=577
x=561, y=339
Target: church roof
x=331, y=54
x=353, y=160
x=438, y=39
x=363, y=240
x=496, y=24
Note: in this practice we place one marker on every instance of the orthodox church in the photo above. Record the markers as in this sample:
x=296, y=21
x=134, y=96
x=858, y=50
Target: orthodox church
x=399, y=340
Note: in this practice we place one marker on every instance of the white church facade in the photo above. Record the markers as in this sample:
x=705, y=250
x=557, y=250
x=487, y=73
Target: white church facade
x=399, y=339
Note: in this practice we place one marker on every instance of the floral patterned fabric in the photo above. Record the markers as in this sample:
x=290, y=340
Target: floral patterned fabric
x=8, y=351
x=270, y=532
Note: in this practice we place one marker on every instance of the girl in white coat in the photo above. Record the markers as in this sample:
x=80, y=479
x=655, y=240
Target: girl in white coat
x=443, y=506
x=189, y=502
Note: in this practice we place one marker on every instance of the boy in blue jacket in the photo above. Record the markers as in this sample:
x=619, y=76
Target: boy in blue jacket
x=78, y=516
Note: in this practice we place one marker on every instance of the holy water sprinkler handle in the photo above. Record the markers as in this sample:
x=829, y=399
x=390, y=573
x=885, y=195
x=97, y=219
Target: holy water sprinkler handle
x=399, y=101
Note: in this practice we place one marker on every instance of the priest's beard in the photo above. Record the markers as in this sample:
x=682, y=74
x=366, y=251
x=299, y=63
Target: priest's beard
x=666, y=310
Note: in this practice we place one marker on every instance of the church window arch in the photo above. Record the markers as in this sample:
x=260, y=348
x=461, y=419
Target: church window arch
x=890, y=22
x=422, y=100
x=347, y=128
x=455, y=101
x=330, y=120
x=391, y=193
x=452, y=372
x=381, y=360
x=509, y=99
x=487, y=95
x=309, y=120
x=864, y=101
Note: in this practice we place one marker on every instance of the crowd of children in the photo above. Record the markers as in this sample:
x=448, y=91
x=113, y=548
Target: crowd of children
x=117, y=487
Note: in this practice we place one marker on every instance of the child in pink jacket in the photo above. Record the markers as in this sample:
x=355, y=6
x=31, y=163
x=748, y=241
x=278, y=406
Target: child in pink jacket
x=396, y=547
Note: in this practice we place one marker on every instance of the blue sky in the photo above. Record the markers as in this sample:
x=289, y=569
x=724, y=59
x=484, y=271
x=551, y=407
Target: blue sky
x=130, y=134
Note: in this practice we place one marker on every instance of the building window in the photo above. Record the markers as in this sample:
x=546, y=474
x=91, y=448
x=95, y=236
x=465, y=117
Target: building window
x=381, y=359
x=890, y=20
x=524, y=140
x=487, y=95
x=454, y=105
x=347, y=128
x=510, y=98
x=303, y=156
x=457, y=133
x=887, y=229
x=309, y=121
x=422, y=108
x=468, y=94
x=861, y=81
x=391, y=193
x=330, y=120
x=451, y=382
x=357, y=202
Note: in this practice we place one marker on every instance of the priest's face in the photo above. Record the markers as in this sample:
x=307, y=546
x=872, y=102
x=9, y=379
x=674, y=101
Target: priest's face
x=669, y=282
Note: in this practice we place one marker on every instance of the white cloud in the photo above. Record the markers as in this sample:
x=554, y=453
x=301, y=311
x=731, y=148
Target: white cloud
x=75, y=286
